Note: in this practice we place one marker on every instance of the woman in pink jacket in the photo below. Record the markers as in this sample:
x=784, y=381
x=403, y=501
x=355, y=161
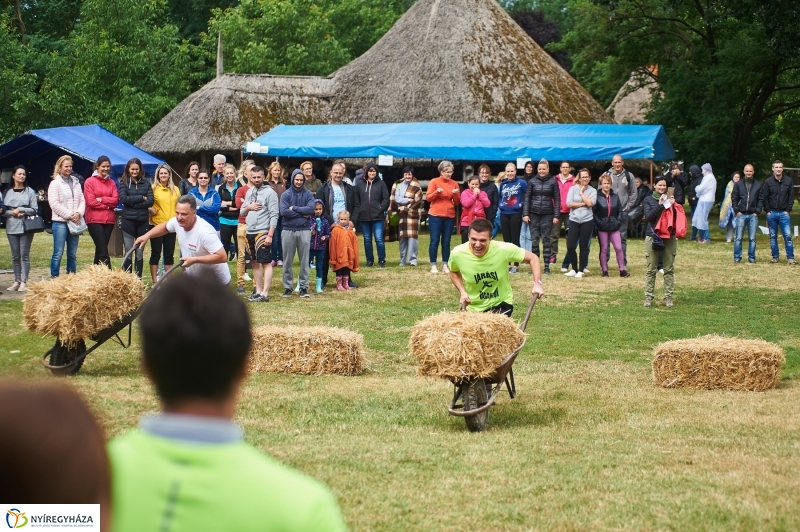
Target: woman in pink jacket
x=101, y=196
x=66, y=200
x=474, y=201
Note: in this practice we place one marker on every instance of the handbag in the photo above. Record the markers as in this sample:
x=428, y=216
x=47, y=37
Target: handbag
x=394, y=219
x=33, y=224
x=74, y=228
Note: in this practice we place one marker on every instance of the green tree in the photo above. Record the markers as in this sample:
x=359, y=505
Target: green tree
x=18, y=87
x=726, y=69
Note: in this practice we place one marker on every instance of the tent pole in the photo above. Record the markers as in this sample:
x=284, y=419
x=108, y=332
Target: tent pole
x=651, y=175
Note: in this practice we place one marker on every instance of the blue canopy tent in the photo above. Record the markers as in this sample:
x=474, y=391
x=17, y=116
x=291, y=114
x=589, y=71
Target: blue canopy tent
x=466, y=142
x=38, y=150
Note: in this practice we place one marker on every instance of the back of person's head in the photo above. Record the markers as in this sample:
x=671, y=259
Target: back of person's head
x=52, y=451
x=195, y=339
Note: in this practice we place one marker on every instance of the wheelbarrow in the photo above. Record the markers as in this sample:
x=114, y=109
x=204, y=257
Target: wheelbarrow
x=63, y=359
x=477, y=395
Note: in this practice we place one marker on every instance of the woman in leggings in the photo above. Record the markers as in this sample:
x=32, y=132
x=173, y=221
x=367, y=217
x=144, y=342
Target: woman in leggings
x=512, y=196
x=580, y=200
x=136, y=196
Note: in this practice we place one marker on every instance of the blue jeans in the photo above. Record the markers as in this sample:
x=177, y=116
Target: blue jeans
x=751, y=221
x=61, y=236
x=370, y=229
x=441, y=228
x=777, y=219
x=318, y=255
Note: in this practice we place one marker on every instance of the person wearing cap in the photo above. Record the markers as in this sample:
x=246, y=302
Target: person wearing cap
x=296, y=208
x=373, y=199
x=217, y=177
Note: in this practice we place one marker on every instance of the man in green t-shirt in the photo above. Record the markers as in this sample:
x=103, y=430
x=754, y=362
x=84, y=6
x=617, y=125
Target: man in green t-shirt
x=479, y=270
x=188, y=468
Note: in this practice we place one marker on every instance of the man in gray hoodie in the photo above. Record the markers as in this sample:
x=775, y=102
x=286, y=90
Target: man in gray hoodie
x=260, y=209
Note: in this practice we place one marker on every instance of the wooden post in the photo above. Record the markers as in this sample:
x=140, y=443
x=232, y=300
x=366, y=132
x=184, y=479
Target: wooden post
x=651, y=175
x=219, y=55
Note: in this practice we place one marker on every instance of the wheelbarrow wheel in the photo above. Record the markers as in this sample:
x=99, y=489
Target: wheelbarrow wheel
x=61, y=355
x=474, y=396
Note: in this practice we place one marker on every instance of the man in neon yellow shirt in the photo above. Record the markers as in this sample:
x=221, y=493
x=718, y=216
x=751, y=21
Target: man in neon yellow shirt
x=479, y=270
x=188, y=468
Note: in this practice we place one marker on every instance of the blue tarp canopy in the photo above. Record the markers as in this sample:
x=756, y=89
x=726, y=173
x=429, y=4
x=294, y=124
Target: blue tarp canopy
x=467, y=142
x=38, y=150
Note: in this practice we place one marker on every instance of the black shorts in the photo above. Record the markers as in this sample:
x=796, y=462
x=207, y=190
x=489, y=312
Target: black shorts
x=260, y=251
x=502, y=308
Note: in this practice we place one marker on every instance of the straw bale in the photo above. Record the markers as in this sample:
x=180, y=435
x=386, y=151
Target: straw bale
x=717, y=362
x=307, y=351
x=463, y=344
x=74, y=307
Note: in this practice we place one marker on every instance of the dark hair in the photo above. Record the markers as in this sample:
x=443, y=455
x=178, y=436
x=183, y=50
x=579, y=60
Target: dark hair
x=408, y=169
x=257, y=169
x=481, y=225
x=100, y=160
x=20, y=167
x=189, y=167
x=52, y=450
x=659, y=178
x=128, y=165
x=195, y=338
x=737, y=172
x=189, y=200
x=777, y=161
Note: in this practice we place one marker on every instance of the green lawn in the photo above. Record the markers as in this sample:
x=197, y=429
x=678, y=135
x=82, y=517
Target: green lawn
x=589, y=443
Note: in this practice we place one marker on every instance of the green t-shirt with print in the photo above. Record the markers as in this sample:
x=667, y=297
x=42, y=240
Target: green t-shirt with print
x=486, y=278
x=163, y=484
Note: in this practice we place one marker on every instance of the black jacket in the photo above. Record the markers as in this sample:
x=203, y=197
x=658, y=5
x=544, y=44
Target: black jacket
x=697, y=178
x=351, y=203
x=373, y=199
x=494, y=199
x=232, y=212
x=679, y=182
x=604, y=221
x=542, y=196
x=652, y=213
x=778, y=195
x=745, y=202
x=136, y=198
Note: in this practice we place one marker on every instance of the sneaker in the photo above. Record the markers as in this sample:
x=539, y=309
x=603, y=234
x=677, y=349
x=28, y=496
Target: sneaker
x=255, y=298
x=586, y=270
x=564, y=270
x=571, y=273
x=382, y=264
x=546, y=270
x=751, y=261
x=280, y=263
x=553, y=259
x=434, y=269
x=22, y=287
x=445, y=268
x=240, y=290
x=370, y=264
x=791, y=262
x=661, y=271
x=668, y=302
x=264, y=299
x=773, y=260
x=274, y=263
x=605, y=274
x=287, y=293
x=13, y=287
x=737, y=261
x=624, y=273
x=247, y=277
x=513, y=269
x=648, y=302
x=304, y=292
x=579, y=275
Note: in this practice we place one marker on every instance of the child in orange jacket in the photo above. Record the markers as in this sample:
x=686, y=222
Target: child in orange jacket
x=343, y=248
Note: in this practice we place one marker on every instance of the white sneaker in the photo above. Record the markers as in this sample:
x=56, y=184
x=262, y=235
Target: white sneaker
x=586, y=270
x=247, y=277
x=13, y=287
x=22, y=287
x=434, y=269
x=572, y=273
x=661, y=271
x=445, y=269
x=579, y=275
x=564, y=270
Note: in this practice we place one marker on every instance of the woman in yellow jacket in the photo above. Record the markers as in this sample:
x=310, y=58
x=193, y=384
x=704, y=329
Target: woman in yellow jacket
x=165, y=197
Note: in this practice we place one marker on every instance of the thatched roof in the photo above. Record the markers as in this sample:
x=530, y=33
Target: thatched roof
x=459, y=61
x=443, y=61
x=233, y=109
x=630, y=104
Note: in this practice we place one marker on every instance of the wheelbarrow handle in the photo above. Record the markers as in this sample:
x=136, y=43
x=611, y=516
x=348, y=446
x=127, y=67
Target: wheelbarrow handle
x=166, y=273
x=534, y=297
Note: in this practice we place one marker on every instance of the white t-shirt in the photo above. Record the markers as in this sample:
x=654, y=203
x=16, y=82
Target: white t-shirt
x=201, y=240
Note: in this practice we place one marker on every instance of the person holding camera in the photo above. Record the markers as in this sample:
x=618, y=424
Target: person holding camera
x=659, y=247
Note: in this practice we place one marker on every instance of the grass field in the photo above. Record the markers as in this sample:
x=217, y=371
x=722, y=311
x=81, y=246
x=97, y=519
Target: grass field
x=589, y=443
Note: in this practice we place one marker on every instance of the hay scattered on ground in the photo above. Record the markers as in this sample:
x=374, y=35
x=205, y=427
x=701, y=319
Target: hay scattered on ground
x=463, y=344
x=74, y=307
x=717, y=362
x=307, y=350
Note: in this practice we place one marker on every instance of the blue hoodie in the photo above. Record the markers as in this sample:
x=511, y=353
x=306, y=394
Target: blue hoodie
x=301, y=202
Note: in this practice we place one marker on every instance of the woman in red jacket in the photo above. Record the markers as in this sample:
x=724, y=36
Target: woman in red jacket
x=100, y=193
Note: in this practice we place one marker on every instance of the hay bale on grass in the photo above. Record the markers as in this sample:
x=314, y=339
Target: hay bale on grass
x=717, y=362
x=74, y=307
x=307, y=350
x=463, y=344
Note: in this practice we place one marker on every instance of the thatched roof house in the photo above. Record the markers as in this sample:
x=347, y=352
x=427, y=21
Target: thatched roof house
x=630, y=104
x=442, y=61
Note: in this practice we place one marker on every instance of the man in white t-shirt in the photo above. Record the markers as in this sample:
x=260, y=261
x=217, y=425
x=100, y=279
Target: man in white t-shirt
x=199, y=242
